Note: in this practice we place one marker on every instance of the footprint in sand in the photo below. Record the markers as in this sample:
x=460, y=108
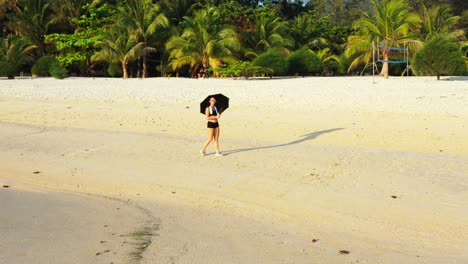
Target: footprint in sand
x=105, y=251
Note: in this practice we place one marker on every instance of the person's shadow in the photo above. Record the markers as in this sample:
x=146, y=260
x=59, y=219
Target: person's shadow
x=305, y=137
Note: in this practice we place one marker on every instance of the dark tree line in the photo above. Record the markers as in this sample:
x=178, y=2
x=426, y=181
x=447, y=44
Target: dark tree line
x=140, y=38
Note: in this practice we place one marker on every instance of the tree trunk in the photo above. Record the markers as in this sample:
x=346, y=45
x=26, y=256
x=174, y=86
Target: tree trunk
x=386, y=56
x=438, y=77
x=124, y=69
x=138, y=74
x=384, y=71
x=144, y=65
x=195, y=71
x=205, y=60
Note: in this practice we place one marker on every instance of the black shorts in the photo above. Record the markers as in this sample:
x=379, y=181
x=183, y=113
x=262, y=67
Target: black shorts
x=212, y=125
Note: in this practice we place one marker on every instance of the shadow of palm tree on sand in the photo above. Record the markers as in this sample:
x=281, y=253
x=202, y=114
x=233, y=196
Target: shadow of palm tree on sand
x=305, y=137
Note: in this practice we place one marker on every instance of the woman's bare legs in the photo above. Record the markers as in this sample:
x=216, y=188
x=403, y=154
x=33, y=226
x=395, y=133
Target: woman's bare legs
x=216, y=139
x=211, y=136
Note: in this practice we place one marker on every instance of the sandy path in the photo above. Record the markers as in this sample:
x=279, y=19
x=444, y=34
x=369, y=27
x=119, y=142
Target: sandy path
x=305, y=163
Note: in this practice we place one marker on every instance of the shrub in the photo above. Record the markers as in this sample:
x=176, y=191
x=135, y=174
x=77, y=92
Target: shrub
x=114, y=70
x=304, y=62
x=242, y=69
x=440, y=56
x=49, y=65
x=15, y=52
x=7, y=69
x=58, y=71
x=43, y=65
x=274, y=60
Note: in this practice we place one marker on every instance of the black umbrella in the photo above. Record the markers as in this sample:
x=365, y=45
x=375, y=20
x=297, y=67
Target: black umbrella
x=222, y=103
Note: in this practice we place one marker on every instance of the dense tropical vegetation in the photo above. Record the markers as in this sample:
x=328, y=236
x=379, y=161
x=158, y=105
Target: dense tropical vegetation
x=144, y=38
x=440, y=56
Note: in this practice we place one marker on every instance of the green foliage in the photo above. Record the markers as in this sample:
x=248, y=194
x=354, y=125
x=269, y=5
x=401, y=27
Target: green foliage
x=304, y=62
x=73, y=30
x=76, y=49
x=145, y=19
x=95, y=16
x=32, y=18
x=273, y=59
x=176, y=10
x=73, y=49
x=336, y=65
x=440, y=57
x=341, y=12
x=118, y=45
x=308, y=29
x=114, y=70
x=58, y=71
x=290, y=9
x=268, y=31
x=203, y=43
x=390, y=26
x=14, y=53
x=464, y=51
x=43, y=65
x=7, y=68
x=243, y=69
x=49, y=65
x=232, y=13
x=438, y=21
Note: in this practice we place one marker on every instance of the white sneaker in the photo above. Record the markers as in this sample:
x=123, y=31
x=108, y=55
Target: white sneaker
x=202, y=153
x=219, y=154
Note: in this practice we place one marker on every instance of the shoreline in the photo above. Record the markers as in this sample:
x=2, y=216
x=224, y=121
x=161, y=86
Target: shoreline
x=40, y=226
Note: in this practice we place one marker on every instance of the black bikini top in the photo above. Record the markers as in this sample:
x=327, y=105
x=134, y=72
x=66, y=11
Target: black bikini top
x=213, y=111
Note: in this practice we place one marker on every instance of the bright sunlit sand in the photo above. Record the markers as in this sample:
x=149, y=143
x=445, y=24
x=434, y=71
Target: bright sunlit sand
x=316, y=170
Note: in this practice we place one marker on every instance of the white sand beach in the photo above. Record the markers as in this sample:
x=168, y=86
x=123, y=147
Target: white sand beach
x=316, y=170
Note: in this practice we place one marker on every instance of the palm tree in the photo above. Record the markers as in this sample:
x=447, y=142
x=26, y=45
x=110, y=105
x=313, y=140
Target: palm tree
x=464, y=51
x=7, y=4
x=390, y=26
x=118, y=45
x=203, y=42
x=144, y=18
x=67, y=12
x=438, y=20
x=304, y=29
x=14, y=52
x=32, y=18
x=176, y=10
x=269, y=31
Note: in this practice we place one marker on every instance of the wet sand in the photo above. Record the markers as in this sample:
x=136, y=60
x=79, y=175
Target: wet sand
x=52, y=227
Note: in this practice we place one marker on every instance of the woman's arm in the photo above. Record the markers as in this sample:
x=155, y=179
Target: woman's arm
x=208, y=117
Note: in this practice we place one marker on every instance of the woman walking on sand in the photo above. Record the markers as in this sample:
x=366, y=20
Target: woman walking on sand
x=212, y=115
